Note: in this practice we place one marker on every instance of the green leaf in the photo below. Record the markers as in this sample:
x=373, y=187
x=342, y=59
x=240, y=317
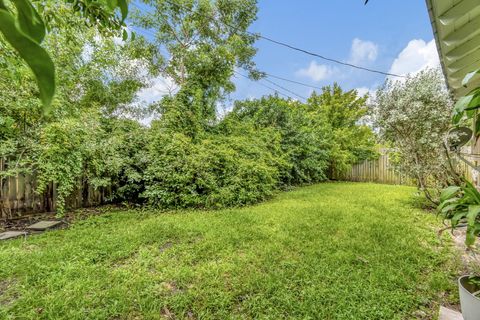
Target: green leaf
x=459, y=109
x=450, y=207
x=123, y=5
x=471, y=235
x=474, y=102
x=125, y=35
x=34, y=55
x=445, y=203
x=112, y=4
x=469, y=76
x=29, y=21
x=473, y=212
x=457, y=217
x=449, y=192
x=470, y=190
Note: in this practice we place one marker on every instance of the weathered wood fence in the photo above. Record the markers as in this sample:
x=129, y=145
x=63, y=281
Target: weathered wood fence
x=380, y=170
x=377, y=170
x=19, y=196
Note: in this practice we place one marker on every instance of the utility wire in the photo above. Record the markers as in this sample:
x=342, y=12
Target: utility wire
x=283, y=88
x=146, y=31
x=280, y=43
x=273, y=89
x=292, y=81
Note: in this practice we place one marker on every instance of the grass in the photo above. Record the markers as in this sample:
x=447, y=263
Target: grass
x=329, y=251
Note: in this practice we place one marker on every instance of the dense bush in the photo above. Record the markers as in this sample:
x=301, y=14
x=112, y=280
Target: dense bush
x=217, y=171
x=302, y=143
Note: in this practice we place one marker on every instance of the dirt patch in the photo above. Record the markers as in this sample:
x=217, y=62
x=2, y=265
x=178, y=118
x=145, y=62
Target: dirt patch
x=165, y=246
x=21, y=223
x=7, y=298
x=167, y=314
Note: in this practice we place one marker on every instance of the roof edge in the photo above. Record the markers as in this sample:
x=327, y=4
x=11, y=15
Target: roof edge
x=437, y=43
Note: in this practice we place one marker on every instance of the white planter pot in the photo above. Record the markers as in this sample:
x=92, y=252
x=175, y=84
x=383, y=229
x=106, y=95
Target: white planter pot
x=470, y=304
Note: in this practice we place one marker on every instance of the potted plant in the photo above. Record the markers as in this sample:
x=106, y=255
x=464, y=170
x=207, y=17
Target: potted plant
x=461, y=206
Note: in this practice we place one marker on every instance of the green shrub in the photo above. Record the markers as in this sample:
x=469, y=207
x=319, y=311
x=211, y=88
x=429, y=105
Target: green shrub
x=301, y=142
x=217, y=171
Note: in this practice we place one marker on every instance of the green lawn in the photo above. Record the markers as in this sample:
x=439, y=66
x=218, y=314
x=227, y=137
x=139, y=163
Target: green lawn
x=329, y=251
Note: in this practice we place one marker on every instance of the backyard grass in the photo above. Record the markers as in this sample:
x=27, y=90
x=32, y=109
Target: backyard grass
x=328, y=251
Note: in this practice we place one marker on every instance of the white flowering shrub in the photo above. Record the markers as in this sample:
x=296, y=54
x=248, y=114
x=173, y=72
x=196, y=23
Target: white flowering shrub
x=414, y=115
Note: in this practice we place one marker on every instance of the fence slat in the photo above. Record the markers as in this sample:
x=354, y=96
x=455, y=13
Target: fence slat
x=19, y=196
x=377, y=170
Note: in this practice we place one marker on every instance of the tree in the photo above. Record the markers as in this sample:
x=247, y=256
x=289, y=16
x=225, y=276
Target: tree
x=205, y=41
x=302, y=143
x=342, y=115
x=25, y=28
x=414, y=116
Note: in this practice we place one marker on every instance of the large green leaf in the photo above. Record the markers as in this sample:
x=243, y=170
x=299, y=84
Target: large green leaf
x=469, y=77
x=446, y=203
x=473, y=212
x=29, y=21
x=460, y=107
x=472, y=233
x=472, y=192
x=34, y=55
x=449, y=192
x=123, y=5
x=449, y=207
x=457, y=217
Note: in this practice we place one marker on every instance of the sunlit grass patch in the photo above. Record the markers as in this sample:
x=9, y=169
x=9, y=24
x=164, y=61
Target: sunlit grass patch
x=329, y=251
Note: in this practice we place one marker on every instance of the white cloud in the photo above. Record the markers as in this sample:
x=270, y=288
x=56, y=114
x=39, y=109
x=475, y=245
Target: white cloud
x=316, y=72
x=416, y=56
x=159, y=87
x=363, y=51
x=363, y=91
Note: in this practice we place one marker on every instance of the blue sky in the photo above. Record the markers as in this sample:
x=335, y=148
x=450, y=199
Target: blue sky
x=373, y=36
x=391, y=36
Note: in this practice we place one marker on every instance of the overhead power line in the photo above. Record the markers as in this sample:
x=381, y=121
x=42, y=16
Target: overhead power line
x=147, y=32
x=283, y=88
x=273, y=89
x=292, y=81
x=286, y=45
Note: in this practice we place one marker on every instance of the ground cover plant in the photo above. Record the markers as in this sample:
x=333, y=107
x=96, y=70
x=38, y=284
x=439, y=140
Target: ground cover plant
x=306, y=254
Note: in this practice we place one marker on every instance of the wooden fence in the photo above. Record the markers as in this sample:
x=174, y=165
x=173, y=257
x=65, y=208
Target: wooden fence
x=380, y=170
x=377, y=170
x=19, y=196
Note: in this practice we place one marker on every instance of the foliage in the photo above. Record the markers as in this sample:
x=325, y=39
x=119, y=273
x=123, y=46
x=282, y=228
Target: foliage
x=217, y=171
x=24, y=29
x=329, y=251
x=189, y=157
x=302, y=142
x=341, y=115
x=99, y=78
x=461, y=205
x=467, y=106
x=62, y=148
x=203, y=50
x=414, y=117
